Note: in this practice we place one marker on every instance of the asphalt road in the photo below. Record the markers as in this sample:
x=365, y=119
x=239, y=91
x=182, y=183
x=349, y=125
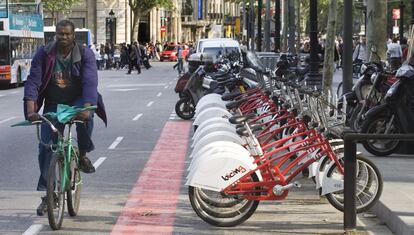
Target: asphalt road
x=137, y=108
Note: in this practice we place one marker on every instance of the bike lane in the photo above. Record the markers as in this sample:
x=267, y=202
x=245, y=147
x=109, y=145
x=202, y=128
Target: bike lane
x=151, y=205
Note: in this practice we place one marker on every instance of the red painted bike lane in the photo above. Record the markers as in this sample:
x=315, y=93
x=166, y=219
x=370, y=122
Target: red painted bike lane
x=151, y=205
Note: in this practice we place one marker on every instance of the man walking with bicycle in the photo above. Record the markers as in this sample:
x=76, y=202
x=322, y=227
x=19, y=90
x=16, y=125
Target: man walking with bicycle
x=62, y=72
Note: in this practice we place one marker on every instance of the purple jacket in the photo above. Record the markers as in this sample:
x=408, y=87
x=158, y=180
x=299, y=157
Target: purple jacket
x=83, y=66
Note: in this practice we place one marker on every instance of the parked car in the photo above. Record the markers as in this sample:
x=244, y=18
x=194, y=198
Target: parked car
x=216, y=46
x=170, y=53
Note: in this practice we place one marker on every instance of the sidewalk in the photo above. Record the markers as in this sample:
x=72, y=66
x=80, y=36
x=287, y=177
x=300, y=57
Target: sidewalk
x=396, y=205
x=302, y=212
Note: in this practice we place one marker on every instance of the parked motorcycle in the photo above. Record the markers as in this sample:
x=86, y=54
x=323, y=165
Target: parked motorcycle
x=393, y=116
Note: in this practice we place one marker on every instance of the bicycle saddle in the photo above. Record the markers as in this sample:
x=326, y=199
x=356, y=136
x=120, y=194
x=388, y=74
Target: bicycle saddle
x=235, y=104
x=239, y=119
x=230, y=96
x=242, y=131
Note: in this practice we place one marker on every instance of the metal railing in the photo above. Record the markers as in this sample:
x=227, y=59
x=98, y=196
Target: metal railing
x=350, y=141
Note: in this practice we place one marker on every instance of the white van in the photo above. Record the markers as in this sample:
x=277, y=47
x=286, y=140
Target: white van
x=217, y=45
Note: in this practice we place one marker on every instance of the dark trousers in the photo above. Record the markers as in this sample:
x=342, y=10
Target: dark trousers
x=395, y=63
x=132, y=64
x=85, y=144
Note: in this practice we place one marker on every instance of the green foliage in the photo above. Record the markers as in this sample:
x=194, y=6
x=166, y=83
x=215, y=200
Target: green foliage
x=144, y=6
x=63, y=6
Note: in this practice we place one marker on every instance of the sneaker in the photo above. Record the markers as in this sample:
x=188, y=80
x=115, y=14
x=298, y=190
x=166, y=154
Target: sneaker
x=85, y=165
x=42, y=208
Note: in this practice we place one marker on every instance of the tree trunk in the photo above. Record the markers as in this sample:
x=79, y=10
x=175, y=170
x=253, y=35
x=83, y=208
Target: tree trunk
x=135, y=25
x=376, y=36
x=330, y=48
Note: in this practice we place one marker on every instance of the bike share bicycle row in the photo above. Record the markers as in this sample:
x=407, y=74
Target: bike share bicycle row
x=253, y=142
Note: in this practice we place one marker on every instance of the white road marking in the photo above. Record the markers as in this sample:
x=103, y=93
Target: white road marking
x=137, y=117
x=150, y=103
x=6, y=120
x=14, y=92
x=99, y=162
x=125, y=89
x=116, y=142
x=1, y=95
x=166, y=86
x=159, y=94
x=170, y=83
x=34, y=229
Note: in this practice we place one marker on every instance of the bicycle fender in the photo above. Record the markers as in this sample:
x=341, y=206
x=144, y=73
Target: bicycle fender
x=214, y=145
x=330, y=185
x=219, y=171
x=212, y=128
x=217, y=136
x=218, y=104
x=209, y=98
x=212, y=121
x=211, y=113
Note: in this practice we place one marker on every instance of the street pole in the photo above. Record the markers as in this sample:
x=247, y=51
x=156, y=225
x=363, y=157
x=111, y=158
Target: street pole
x=412, y=12
x=402, y=6
x=292, y=28
x=259, y=25
x=278, y=25
x=267, y=27
x=313, y=77
x=252, y=25
x=244, y=21
x=347, y=40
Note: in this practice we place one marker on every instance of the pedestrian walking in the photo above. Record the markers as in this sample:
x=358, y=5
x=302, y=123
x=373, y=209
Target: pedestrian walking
x=394, y=54
x=180, y=63
x=134, y=58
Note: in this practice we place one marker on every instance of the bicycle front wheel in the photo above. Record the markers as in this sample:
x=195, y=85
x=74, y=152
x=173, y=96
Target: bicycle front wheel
x=73, y=194
x=55, y=193
x=368, y=186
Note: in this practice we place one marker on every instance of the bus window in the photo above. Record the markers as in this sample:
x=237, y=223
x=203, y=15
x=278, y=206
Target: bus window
x=5, y=50
x=3, y=9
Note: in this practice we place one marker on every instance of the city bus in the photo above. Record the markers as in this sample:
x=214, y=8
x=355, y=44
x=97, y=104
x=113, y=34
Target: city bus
x=21, y=34
x=82, y=36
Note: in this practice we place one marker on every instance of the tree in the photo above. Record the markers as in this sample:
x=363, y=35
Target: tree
x=377, y=36
x=58, y=6
x=142, y=7
x=330, y=48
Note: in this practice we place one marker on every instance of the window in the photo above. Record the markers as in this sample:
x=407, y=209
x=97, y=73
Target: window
x=24, y=48
x=4, y=48
x=78, y=22
x=3, y=9
x=48, y=21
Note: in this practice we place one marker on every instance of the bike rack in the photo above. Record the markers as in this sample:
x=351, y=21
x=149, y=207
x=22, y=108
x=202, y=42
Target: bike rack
x=350, y=141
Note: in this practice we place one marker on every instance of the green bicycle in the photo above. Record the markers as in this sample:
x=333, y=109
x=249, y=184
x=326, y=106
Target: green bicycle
x=64, y=177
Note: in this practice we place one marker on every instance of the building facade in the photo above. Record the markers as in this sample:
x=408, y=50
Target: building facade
x=110, y=20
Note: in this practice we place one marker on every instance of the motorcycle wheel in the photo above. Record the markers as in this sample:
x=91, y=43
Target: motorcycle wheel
x=377, y=125
x=185, y=108
x=355, y=122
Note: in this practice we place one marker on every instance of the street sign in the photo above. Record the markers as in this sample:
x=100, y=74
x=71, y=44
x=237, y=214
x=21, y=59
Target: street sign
x=396, y=14
x=395, y=30
x=163, y=29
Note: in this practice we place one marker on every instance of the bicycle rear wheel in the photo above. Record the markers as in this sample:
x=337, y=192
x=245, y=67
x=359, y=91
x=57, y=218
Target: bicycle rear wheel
x=55, y=193
x=74, y=193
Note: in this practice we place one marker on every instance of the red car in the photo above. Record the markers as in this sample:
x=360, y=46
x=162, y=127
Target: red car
x=170, y=53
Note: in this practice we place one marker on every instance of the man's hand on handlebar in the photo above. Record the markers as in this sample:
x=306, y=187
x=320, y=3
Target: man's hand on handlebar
x=83, y=116
x=33, y=117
